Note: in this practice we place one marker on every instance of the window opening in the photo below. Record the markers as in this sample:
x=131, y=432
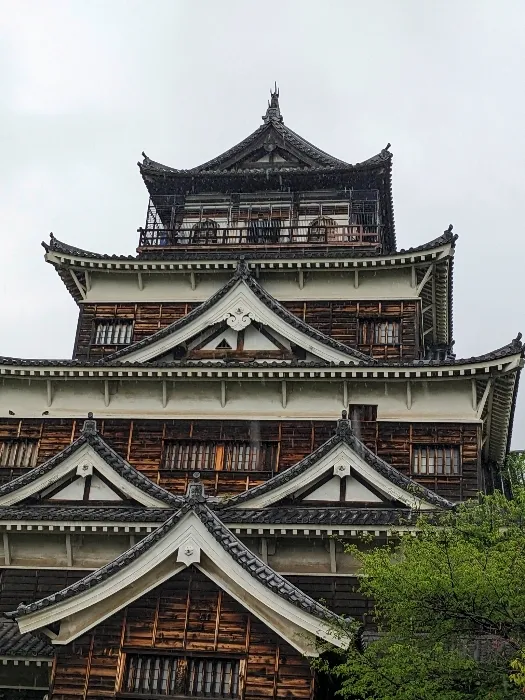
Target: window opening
x=18, y=452
x=379, y=332
x=113, y=332
x=171, y=676
x=217, y=456
x=432, y=460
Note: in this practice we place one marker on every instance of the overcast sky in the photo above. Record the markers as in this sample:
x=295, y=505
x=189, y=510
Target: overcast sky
x=86, y=85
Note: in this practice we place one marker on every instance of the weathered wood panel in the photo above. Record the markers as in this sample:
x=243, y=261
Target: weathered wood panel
x=28, y=585
x=142, y=444
x=338, y=319
x=186, y=615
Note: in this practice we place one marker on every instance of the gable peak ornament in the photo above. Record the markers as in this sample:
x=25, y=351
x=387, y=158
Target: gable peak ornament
x=239, y=317
x=273, y=113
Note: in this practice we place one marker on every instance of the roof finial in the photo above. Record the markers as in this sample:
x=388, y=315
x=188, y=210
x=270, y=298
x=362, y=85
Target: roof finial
x=90, y=425
x=344, y=426
x=273, y=113
x=195, y=491
x=243, y=269
x=516, y=343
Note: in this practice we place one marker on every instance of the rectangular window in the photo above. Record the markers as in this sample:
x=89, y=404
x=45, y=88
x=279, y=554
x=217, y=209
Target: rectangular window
x=113, y=332
x=18, y=452
x=171, y=676
x=217, y=456
x=379, y=332
x=430, y=460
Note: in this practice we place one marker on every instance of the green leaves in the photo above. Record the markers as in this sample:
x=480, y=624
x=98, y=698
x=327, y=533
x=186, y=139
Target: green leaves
x=450, y=607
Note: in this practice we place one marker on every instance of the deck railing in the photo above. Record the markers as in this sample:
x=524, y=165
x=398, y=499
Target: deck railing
x=264, y=233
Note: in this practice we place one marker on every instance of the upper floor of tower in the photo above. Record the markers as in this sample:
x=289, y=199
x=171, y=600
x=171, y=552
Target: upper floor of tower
x=273, y=190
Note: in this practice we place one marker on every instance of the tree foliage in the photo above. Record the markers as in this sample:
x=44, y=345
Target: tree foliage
x=450, y=607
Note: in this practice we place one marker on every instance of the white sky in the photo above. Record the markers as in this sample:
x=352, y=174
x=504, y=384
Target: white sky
x=87, y=85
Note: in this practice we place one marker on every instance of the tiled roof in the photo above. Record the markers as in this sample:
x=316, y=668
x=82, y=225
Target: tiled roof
x=233, y=546
x=85, y=513
x=91, y=437
x=344, y=434
x=291, y=515
x=329, y=251
x=13, y=643
x=243, y=273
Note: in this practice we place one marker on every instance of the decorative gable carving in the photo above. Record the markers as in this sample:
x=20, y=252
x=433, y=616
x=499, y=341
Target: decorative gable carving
x=239, y=305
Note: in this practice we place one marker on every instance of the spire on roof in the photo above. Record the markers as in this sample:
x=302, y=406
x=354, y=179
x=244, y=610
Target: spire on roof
x=344, y=426
x=273, y=113
x=90, y=425
x=195, y=490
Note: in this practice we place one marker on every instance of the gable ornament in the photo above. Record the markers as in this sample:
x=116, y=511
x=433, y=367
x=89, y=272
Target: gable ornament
x=239, y=318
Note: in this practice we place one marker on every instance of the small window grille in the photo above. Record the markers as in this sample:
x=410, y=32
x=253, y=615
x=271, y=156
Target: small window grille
x=218, y=456
x=19, y=452
x=433, y=460
x=113, y=332
x=379, y=332
x=163, y=675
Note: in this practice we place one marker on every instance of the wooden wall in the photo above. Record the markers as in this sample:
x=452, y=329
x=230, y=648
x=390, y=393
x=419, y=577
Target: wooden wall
x=338, y=319
x=141, y=443
x=188, y=614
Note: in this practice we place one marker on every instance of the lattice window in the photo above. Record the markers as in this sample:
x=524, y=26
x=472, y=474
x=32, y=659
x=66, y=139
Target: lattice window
x=205, y=232
x=322, y=230
x=113, y=331
x=380, y=332
x=18, y=452
x=219, y=456
x=433, y=460
x=171, y=676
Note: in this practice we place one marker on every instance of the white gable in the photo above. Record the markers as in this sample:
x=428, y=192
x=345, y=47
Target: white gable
x=354, y=491
x=97, y=490
x=81, y=464
x=187, y=542
x=362, y=483
x=239, y=307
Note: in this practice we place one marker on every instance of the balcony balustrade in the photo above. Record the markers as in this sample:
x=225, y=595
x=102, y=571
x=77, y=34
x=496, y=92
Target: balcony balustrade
x=267, y=233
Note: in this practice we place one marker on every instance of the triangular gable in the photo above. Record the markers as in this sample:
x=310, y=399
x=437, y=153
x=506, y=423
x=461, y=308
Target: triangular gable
x=239, y=304
x=87, y=471
x=193, y=536
x=342, y=470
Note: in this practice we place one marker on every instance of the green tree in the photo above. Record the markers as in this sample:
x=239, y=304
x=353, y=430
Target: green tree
x=450, y=607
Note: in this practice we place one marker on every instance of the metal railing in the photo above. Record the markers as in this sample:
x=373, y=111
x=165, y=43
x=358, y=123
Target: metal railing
x=265, y=233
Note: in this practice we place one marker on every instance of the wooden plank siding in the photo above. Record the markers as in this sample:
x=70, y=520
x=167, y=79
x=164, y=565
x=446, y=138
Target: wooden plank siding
x=338, y=319
x=141, y=443
x=188, y=614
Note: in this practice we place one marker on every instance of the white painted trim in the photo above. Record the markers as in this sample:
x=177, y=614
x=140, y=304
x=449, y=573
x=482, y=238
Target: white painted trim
x=339, y=454
x=276, y=612
x=84, y=454
x=240, y=301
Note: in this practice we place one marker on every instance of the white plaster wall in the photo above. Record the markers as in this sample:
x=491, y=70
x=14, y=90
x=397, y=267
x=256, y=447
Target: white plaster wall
x=317, y=399
x=378, y=283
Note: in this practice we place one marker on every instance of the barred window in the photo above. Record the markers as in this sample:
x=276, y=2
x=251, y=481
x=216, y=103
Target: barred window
x=113, y=332
x=380, y=332
x=171, y=676
x=435, y=460
x=18, y=452
x=204, y=455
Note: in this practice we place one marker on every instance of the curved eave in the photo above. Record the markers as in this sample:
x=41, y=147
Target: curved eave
x=67, y=259
x=499, y=361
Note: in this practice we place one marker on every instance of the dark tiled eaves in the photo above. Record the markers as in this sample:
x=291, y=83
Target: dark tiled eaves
x=149, y=258
x=243, y=275
x=378, y=464
x=93, y=514
x=291, y=515
x=233, y=546
x=125, y=470
x=15, y=644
